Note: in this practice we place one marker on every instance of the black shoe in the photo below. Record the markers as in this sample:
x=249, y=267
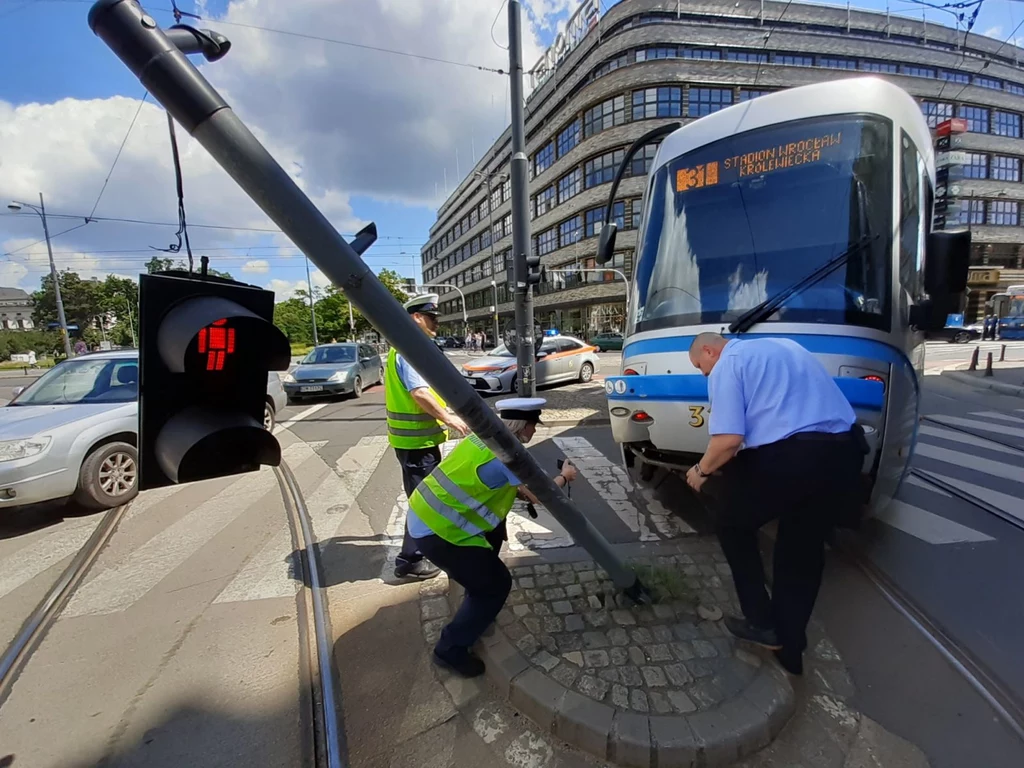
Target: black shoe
x=791, y=662
x=421, y=569
x=462, y=663
x=744, y=630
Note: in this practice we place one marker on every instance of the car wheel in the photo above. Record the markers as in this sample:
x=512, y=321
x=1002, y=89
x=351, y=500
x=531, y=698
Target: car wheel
x=357, y=387
x=586, y=372
x=109, y=477
x=513, y=386
x=268, y=417
x=597, y=348
x=380, y=379
x=962, y=337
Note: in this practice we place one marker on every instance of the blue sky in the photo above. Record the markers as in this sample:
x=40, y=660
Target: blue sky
x=370, y=136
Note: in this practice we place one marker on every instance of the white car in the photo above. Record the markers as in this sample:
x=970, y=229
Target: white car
x=559, y=359
x=72, y=433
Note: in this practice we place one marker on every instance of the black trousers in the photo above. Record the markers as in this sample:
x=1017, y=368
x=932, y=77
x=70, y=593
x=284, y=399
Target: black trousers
x=806, y=482
x=416, y=464
x=487, y=583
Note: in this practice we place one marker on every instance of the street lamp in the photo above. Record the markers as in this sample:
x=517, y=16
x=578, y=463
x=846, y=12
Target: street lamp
x=14, y=205
x=501, y=177
x=131, y=322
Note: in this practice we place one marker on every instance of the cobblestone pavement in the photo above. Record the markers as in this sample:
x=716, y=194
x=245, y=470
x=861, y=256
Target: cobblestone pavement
x=664, y=685
x=575, y=404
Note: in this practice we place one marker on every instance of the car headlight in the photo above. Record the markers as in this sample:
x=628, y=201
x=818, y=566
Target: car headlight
x=22, y=449
x=338, y=376
x=288, y=378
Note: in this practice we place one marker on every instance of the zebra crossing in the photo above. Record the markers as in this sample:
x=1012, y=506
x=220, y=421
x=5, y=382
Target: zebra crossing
x=973, y=453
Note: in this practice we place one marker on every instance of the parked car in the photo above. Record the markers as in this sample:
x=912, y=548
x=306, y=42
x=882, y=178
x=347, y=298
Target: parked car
x=559, y=359
x=603, y=342
x=72, y=433
x=956, y=334
x=334, y=369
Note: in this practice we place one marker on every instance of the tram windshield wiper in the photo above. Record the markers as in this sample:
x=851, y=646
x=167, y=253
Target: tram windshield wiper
x=767, y=308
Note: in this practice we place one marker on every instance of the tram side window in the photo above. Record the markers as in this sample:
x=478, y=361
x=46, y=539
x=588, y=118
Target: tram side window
x=912, y=172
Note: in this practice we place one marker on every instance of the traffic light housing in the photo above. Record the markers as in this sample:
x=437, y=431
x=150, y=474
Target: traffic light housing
x=534, y=271
x=206, y=347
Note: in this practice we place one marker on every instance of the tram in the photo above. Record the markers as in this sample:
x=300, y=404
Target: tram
x=1008, y=308
x=805, y=214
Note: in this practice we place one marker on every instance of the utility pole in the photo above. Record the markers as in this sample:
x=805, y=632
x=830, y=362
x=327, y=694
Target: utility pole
x=520, y=208
x=131, y=321
x=312, y=302
x=351, y=323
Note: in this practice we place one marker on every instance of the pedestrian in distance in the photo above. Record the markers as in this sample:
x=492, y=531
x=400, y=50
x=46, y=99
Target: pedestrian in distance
x=457, y=516
x=417, y=419
x=784, y=446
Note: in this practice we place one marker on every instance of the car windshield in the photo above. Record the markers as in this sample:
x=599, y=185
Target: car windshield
x=327, y=355
x=502, y=351
x=741, y=219
x=95, y=380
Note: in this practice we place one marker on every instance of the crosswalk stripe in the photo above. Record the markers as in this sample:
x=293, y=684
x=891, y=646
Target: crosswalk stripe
x=927, y=526
x=985, y=426
x=977, y=463
x=998, y=416
x=1011, y=505
x=915, y=480
x=117, y=587
x=25, y=564
x=963, y=437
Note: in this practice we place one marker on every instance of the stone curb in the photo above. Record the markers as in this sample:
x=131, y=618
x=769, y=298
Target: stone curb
x=976, y=381
x=709, y=739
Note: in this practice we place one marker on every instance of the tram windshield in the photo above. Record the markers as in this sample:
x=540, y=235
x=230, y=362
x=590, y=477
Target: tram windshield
x=741, y=219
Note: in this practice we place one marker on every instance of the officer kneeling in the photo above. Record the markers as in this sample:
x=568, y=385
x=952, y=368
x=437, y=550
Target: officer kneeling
x=457, y=516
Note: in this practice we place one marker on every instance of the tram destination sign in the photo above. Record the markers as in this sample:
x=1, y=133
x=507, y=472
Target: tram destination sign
x=579, y=24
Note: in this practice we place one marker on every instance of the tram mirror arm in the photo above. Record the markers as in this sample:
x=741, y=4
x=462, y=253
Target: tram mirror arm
x=606, y=242
x=947, y=255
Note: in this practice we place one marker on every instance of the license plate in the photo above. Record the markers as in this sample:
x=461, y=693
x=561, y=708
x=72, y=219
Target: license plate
x=317, y=388
x=467, y=374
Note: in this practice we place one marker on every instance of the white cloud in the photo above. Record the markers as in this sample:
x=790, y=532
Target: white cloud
x=995, y=31
x=257, y=266
x=285, y=289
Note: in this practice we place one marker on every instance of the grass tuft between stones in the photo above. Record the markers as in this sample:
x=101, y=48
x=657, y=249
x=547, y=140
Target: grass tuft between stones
x=665, y=583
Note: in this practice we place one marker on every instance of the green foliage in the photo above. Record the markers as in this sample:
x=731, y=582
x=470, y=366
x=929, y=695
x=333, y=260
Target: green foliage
x=20, y=342
x=165, y=264
x=87, y=303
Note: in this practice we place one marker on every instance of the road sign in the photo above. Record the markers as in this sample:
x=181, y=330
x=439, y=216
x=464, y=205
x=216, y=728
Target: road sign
x=951, y=126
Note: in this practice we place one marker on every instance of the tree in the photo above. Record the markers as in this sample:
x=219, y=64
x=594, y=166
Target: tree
x=293, y=318
x=81, y=300
x=165, y=264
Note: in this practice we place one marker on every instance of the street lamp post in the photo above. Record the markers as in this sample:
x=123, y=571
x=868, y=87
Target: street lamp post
x=131, y=321
x=312, y=302
x=14, y=205
x=490, y=223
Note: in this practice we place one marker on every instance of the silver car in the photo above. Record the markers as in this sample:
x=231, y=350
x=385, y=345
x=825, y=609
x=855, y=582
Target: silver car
x=559, y=359
x=334, y=369
x=72, y=433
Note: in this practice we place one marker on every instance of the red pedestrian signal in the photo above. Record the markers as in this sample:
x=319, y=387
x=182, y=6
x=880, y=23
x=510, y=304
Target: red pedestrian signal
x=216, y=341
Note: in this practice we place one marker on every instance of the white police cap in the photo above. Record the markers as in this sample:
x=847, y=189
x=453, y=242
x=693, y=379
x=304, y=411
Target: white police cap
x=525, y=408
x=425, y=303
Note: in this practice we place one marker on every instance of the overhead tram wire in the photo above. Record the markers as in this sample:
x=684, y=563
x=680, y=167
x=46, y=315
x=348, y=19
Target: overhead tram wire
x=767, y=37
x=997, y=50
x=958, y=67
x=117, y=157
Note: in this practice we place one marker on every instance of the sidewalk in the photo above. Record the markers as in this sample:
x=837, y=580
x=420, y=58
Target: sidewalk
x=1007, y=377
x=575, y=404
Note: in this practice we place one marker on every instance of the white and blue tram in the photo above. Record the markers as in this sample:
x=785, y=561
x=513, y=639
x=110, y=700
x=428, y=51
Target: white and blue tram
x=807, y=214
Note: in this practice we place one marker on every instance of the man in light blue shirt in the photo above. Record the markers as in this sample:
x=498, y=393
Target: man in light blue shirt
x=783, y=446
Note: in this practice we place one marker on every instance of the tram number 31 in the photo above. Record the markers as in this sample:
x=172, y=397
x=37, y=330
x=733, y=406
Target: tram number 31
x=697, y=416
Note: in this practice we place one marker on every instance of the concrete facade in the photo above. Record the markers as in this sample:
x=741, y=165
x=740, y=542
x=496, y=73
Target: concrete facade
x=930, y=63
x=15, y=310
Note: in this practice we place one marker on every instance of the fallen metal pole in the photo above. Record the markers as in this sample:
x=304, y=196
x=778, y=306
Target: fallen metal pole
x=183, y=91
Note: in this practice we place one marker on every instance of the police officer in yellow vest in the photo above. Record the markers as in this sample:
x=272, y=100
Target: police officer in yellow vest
x=416, y=418
x=457, y=517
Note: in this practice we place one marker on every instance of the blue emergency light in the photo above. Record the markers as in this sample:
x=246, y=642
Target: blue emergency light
x=551, y=332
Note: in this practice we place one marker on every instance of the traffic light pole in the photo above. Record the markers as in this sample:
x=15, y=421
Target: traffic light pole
x=160, y=63
x=523, y=297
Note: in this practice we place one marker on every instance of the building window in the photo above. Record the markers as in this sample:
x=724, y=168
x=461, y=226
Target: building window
x=1004, y=213
x=988, y=82
x=650, y=54
x=544, y=201
x=569, y=137
x=640, y=165
x=657, y=102
x=836, y=63
x=954, y=77
x=704, y=101
x=702, y=53
x=936, y=111
x=1005, y=168
x=496, y=198
x=611, y=65
x=544, y=158
x=971, y=212
x=1014, y=88
x=976, y=117
x=595, y=218
x=601, y=169
x=913, y=71
x=879, y=66
x=1006, y=124
x=747, y=95
x=569, y=231
x=604, y=116
x=569, y=185
x=547, y=241
x=753, y=57
x=793, y=60
x=976, y=166
x=506, y=189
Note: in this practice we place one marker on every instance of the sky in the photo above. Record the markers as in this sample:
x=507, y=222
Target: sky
x=368, y=135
